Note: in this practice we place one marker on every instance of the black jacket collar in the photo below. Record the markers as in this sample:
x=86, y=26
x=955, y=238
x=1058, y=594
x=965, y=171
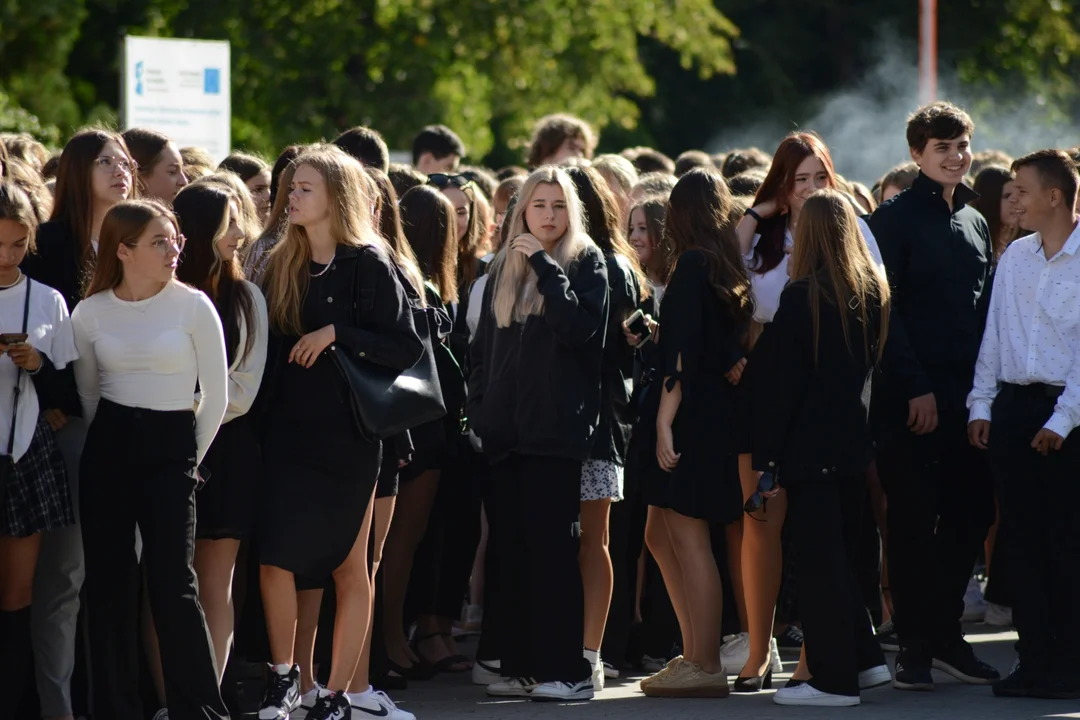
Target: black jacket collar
x=962, y=196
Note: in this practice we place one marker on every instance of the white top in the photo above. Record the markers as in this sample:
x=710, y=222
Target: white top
x=149, y=353
x=476, y=302
x=48, y=329
x=768, y=286
x=245, y=377
x=1033, y=329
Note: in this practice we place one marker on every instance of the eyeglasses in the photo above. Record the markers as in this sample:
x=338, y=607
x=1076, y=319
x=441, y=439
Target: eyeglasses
x=163, y=245
x=441, y=180
x=108, y=164
x=767, y=483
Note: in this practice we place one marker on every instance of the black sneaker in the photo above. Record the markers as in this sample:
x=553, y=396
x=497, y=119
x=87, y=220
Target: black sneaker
x=282, y=695
x=1019, y=684
x=1057, y=686
x=887, y=638
x=332, y=706
x=912, y=673
x=790, y=641
x=959, y=661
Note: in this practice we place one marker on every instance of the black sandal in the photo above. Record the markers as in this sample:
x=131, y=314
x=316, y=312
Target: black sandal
x=449, y=664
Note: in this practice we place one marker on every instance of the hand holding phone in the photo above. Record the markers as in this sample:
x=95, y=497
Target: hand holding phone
x=637, y=329
x=12, y=338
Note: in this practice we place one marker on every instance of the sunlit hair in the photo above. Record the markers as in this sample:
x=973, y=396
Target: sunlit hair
x=250, y=222
x=15, y=205
x=244, y=165
x=29, y=180
x=197, y=162
x=470, y=245
x=124, y=224
x=202, y=211
x=23, y=146
x=388, y=224
x=655, y=209
x=700, y=217
x=777, y=187
x=146, y=147
x=287, y=276
x=602, y=222
x=427, y=217
x=620, y=173
x=515, y=296
x=551, y=131
x=831, y=256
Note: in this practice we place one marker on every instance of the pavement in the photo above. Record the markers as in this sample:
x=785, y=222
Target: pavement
x=453, y=697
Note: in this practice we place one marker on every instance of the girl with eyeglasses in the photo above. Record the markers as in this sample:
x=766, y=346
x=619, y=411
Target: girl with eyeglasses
x=144, y=341
x=96, y=172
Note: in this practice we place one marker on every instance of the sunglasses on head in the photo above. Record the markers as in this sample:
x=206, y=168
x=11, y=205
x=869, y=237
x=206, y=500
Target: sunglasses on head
x=766, y=484
x=441, y=180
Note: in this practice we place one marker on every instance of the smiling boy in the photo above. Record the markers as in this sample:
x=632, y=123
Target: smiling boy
x=937, y=254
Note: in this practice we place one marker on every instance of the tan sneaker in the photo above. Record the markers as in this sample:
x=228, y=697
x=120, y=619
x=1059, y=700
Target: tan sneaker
x=673, y=665
x=691, y=682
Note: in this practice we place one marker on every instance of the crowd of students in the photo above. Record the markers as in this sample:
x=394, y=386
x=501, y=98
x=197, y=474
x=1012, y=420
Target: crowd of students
x=614, y=413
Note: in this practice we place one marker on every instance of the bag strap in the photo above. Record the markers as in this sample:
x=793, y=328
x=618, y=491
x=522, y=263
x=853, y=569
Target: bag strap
x=18, y=375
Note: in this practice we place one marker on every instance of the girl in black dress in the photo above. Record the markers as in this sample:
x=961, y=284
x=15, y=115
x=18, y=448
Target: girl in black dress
x=534, y=402
x=811, y=396
x=704, y=317
x=209, y=218
x=330, y=281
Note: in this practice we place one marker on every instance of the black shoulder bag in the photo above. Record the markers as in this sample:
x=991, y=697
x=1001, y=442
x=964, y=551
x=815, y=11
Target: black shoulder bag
x=385, y=401
x=7, y=462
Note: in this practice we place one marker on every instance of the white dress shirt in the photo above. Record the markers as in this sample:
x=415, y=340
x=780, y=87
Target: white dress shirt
x=149, y=353
x=767, y=287
x=1033, y=329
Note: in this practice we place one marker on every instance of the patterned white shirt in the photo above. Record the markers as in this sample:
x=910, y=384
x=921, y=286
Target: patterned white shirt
x=1033, y=329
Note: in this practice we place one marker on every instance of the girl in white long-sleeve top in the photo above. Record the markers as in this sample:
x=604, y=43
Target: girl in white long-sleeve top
x=209, y=217
x=144, y=340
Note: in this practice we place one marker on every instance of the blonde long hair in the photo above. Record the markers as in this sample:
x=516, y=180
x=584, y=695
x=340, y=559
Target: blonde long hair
x=287, y=278
x=828, y=242
x=515, y=296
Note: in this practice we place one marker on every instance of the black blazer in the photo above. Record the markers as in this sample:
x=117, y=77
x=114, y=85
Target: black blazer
x=534, y=387
x=56, y=261
x=812, y=419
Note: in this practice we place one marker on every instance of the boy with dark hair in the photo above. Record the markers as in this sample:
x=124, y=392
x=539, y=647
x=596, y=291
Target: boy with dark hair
x=367, y=146
x=937, y=254
x=437, y=149
x=1027, y=384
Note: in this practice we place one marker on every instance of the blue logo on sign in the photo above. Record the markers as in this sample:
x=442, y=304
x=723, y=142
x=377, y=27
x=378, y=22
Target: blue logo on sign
x=212, y=81
x=138, y=78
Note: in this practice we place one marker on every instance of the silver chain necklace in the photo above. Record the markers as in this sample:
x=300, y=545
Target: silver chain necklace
x=325, y=269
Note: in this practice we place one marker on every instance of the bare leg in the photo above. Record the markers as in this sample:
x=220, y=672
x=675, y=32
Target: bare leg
x=353, y=619
x=761, y=568
x=658, y=541
x=279, y=605
x=414, y=502
x=639, y=586
x=476, y=579
x=733, y=533
x=215, y=561
x=802, y=672
x=384, y=515
x=597, y=574
x=18, y=560
x=704, y=595
x=308, y=605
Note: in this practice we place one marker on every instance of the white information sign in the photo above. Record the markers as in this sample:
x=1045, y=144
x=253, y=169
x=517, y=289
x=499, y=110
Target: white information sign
x=180, y=88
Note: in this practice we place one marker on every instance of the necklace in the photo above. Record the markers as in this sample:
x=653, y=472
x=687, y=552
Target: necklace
x=325, y=269
x=17, y=281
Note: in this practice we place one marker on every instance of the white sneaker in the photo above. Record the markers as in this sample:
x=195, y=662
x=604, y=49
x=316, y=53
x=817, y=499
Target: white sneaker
x=598, y=676
x=652, y=665
x=974, y=603
x=162, y=714
x=775, y=663
x=610, y=671
x=307, y=702
x=808, y=695
x=282, y=694
x=486, y=672
x=564, y=691
x=998, y=615
x=512, y=687
x=735, y=652
x=377, y=704
x=875, y=677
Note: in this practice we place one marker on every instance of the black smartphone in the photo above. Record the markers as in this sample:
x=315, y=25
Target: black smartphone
x=12, y=338
x=637, y=325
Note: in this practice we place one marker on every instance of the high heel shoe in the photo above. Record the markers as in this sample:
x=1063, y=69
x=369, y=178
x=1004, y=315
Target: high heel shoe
x=754, y=684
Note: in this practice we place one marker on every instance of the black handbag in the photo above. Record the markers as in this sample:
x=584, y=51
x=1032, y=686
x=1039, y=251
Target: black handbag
x=7, y=462
x=385, y=401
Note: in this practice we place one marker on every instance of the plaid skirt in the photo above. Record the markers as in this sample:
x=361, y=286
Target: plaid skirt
x=37, y=497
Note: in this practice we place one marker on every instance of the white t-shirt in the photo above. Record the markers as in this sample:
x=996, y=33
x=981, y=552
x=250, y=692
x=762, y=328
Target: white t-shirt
x=768, y=286
x=48, y=330
x=149, y=353
x=245, y=375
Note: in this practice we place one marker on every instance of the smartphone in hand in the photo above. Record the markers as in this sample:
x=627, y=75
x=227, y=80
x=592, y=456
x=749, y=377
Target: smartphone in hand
x=637, y=325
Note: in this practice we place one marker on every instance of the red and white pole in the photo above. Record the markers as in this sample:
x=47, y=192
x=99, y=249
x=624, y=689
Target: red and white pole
x=927, y=51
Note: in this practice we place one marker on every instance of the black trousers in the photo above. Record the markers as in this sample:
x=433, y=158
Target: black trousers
x=1041, y=507
x=940, y=507
x=537, y=544
x=137, y=468
x=826, y=517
